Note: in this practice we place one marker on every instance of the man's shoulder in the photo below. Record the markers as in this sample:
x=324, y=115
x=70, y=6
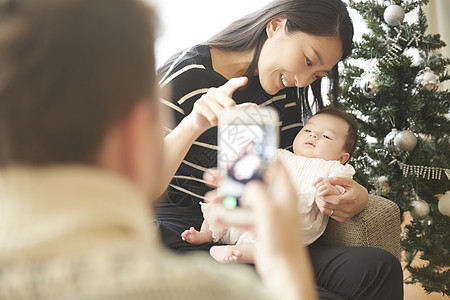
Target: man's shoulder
x=123, y=275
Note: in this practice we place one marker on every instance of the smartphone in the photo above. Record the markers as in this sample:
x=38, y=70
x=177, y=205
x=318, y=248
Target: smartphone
x=248, y=141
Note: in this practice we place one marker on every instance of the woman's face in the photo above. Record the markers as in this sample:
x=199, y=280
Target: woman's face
x=295, y=58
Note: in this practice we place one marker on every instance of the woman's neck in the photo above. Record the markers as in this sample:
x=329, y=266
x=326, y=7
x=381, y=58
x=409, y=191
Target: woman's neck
x=231, y=64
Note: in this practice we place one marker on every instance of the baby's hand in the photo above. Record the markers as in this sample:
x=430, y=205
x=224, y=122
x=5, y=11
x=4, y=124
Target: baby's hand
x=325, y=188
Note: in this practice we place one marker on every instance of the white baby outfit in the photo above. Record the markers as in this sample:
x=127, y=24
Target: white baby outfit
x=303, y=172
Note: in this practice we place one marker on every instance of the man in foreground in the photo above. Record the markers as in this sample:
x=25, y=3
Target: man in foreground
x=80, y=153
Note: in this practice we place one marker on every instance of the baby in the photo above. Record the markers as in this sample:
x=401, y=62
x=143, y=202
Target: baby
x=321, y=148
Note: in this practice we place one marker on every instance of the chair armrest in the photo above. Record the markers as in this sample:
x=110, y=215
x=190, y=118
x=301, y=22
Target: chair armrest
x=378, y=225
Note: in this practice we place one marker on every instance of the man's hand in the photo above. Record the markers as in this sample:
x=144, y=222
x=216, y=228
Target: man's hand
x=211, y=177
x=344, y=206
x=281, y=260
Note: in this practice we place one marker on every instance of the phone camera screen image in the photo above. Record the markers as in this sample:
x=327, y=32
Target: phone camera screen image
x=246, y=151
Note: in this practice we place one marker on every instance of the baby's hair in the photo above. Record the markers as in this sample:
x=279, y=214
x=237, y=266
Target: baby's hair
x=352, y=134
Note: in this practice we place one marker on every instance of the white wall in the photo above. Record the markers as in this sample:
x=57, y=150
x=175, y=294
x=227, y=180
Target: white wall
x=188, y=22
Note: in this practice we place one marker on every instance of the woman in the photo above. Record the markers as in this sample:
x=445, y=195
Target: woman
x=282, y=49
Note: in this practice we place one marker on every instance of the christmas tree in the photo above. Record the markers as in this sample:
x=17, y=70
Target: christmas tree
x=391, y=85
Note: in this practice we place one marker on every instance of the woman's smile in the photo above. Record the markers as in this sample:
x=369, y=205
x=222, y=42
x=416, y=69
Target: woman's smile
x=284, y=82
x=290, y=59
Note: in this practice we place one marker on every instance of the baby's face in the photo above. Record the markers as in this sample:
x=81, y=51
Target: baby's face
x=323, y=137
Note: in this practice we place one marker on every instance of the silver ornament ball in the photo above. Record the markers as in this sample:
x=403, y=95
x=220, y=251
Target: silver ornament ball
x=394, y=15
x=427, y=80
x=369, y=84
x=389, y=141
x=419, y=209
x=444, y=204
x=406, y=140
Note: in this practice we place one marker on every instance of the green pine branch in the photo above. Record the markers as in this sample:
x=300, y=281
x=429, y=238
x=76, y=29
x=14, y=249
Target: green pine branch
x=399, y=99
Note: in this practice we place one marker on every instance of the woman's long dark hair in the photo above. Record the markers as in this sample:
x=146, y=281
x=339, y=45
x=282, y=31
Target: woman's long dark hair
x=314, y=17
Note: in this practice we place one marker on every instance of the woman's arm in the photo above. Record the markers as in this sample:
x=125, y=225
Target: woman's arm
x=347, y=205
x=204, y=115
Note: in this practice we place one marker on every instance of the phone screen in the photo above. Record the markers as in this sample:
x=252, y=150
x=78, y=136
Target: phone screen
x=246, y=151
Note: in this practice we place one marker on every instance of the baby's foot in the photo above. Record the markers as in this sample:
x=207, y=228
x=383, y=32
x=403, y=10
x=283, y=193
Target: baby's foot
x=196, y=237
x=225, y=254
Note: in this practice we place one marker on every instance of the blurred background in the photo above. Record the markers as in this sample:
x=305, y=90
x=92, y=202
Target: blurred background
x=186, y=23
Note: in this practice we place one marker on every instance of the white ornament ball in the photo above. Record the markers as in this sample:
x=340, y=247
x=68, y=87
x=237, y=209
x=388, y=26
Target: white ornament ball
x=427, y=80
x=419, y=209
x=405, y=140
x=369, y=84
x=444, y=204
x=382, y=179
x=394, y=15
x=389, y=141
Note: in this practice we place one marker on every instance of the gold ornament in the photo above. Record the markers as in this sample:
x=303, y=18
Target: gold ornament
x=444, y=204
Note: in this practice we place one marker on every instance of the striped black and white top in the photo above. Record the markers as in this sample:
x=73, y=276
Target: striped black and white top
x=183, y=79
